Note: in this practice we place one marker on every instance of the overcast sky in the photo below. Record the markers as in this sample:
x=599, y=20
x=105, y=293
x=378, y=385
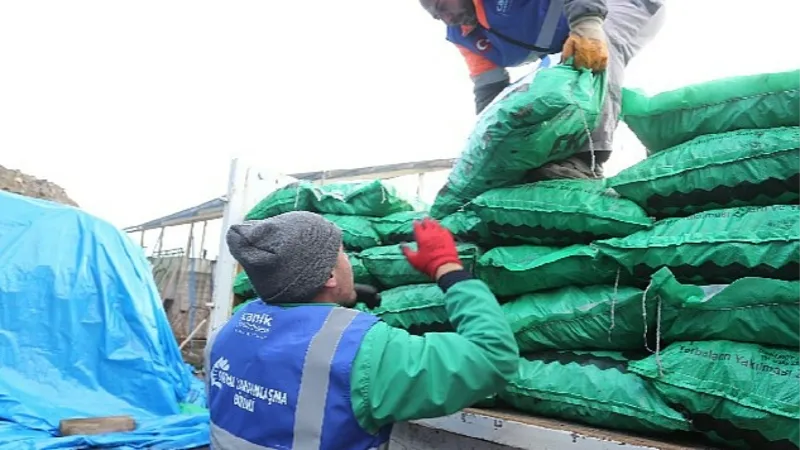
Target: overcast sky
x=136, y=108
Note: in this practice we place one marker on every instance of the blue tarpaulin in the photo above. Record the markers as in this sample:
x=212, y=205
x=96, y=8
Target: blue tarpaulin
x=83, y=334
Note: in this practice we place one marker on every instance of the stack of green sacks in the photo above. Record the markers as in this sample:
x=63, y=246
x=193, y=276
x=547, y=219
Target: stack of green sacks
x=576, y=265
x=722, y=177
x=541, y=118
x=578, y=316
x=353, y=207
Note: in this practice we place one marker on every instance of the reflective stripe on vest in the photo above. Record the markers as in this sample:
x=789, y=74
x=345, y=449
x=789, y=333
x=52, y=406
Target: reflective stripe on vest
x=309, y=416
x=548, y=31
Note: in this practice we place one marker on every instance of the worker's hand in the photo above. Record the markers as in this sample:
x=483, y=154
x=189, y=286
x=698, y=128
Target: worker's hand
x=435, y=248
x=367, y=295
x=587, y=44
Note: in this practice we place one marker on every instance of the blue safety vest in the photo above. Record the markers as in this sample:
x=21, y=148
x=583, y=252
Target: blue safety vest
x=519, y=31
x=279, y=379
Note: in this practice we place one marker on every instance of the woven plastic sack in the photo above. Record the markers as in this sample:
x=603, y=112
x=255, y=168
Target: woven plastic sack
x=373, y=199
x=466, y=226
x=744, y=395
x=589, y=318
x=738, y=168
x=242, y=286
x=716, y=246
x=558, y=212
x=523, y=269
x=544, y=117
x=419, y=309
x=360, y=273
x=390, y=268
x=293, y=197
x=753, y=310
x=595, y=388
x=671, y=118
x=397, y=227
x=357, y=231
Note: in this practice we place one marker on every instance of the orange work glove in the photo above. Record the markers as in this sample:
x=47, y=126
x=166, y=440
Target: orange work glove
x=588, y=44
x=435, y=247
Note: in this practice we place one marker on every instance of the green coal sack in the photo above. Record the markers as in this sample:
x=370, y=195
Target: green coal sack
x=375, y=199
x=715, y=246
x=357, y=231
x=670, y=118
x=738, y=168
x=753, y=310
x=390, y=268
x=510, y=271
x=558, y=212
x=242, y=286
x=744, y=395
x=591, y=317
x=544, y=117
x=419, y=309
x=293, y=197
x=360, y=273
x=466, y=226
x=372, y=199
x=594, y=388
x=398, y=227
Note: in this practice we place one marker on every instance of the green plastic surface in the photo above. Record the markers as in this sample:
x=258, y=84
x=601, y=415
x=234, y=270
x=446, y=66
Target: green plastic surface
x=738, y=168
x=753, y=310
x=523, y=269
x=744, y=395
x=558, y=212
x=390, y=268
x=590, y=387
x=717, y=246
x=671, y=118
x=544, y=117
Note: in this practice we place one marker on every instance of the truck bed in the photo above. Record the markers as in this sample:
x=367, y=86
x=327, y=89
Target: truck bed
x=500, y=429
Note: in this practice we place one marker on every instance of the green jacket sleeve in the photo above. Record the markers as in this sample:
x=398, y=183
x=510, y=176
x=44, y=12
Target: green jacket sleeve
x=397, y=376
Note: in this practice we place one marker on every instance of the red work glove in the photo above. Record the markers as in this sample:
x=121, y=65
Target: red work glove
x=435, y=247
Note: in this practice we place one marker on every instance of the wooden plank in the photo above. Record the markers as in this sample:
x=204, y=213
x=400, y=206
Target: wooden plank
x=96, y=425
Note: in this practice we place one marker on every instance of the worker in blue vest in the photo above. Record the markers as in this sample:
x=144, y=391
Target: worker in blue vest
x=301, y=370
x=598, y=34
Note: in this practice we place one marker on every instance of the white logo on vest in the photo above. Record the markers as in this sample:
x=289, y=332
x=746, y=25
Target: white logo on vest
x=220, y=366
x=503, y=6
x=255, y=325
x=247, y=393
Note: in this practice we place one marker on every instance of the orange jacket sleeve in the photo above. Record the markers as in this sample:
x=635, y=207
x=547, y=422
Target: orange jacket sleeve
x=476, y=63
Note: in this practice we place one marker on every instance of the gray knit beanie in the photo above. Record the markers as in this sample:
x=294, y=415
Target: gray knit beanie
x=289, y=257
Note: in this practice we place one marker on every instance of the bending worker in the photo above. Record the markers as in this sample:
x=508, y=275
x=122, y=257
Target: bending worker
x=301, y=370
x=599, y=34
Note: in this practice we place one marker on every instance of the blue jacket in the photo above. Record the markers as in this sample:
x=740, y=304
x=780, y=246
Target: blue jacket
x=272, y=367
x=513, y=32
